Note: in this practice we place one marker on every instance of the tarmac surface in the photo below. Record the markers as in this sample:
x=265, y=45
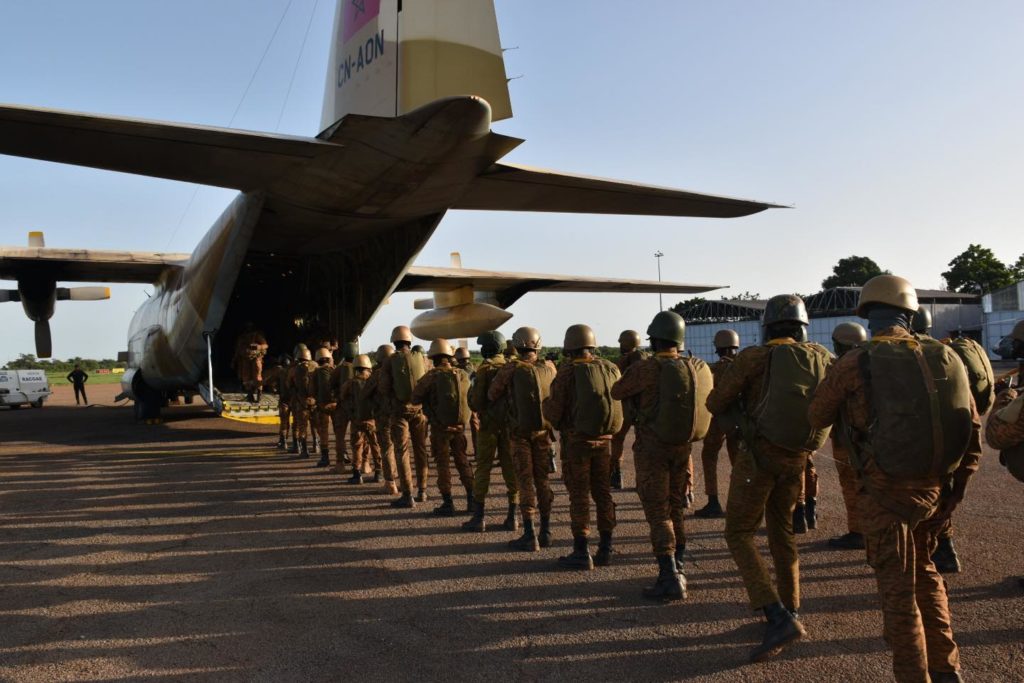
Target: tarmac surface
x=194, y=551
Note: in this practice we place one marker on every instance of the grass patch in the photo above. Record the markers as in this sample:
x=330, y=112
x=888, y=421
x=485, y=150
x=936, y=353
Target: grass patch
x=59, y=379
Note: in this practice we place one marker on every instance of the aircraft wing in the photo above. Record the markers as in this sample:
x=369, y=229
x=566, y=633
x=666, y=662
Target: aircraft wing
x=510, y=187
x=82, y=265
x=221, y=157
x=508, y=287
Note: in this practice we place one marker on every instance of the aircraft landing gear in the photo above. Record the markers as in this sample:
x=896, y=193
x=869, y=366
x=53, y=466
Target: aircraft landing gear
x=148, y=401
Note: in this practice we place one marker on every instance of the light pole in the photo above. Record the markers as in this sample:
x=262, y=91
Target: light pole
x=658, y=255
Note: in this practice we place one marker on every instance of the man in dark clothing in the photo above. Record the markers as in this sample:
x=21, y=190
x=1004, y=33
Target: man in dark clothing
x=78, y=378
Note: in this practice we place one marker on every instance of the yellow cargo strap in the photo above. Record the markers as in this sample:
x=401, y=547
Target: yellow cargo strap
x=780, y=341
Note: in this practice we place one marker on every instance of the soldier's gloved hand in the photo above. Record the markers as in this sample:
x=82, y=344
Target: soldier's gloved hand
x=950, y=501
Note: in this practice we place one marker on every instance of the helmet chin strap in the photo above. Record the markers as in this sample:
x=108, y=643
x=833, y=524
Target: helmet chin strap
x=883, y=317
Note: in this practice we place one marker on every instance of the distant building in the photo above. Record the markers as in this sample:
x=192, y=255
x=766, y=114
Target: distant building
x=950, y=311
x=1001, y=309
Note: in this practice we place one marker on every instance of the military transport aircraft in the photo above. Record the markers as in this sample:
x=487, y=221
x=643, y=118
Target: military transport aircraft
x=412, y=90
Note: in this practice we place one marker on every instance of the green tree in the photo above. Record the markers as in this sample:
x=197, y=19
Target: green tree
x=687, y=305
x=977, y=271
x=852, y=271
x=745, y=296
x=1017, y=269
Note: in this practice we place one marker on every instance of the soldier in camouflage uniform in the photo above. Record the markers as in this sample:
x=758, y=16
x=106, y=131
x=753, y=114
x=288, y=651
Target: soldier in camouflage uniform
x=530, y=444
x=357, y=395
x=492, y=437
x=766, y=476
x=629, y=353
x=902, y=517
x=442, y=393
x=302, y=400
x=325, y=398
x=408, y=425
x=250, y=349
x=845, y=338
x=342, y=415
x=464, y=362
x=382, y=423
x=278, y=383
x=727, y=345
x=587, y=432
x=661, y=466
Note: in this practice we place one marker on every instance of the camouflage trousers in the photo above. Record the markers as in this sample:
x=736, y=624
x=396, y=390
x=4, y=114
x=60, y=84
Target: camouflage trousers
x=387, y=452
x=619, y=444
x=809, y=484
x=447, y=445
x=322, y=424
x=848, y=484
x=916, y=621
x=530, y=453
x=300, y=417
x=755, y=493
x=284, y=415
x=586, y=471
x=661, y=476
x=340, y=421
x=409, y=439
x=710, y=448
x=491, y=441
x=365, y=448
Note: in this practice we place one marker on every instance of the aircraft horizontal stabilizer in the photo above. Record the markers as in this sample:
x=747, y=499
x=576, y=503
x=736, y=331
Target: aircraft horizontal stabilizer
x=508, y=287
x=510, y=187
x=82, y=265
x=221, y=157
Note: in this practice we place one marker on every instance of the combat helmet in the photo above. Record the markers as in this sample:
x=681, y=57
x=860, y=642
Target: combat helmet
x=462, y=353
x=849, y=334
x=362, y=362
x=727, y=339
x=526, y=338
x=323, y=353
x=922, y=322
x=785, y=308
x=304, y=353
x=440, y=347
x=402, y=333
x=630, y=339
x=383, y=352
x=890, y=290
x=350, y=349
x=491, y=342
x=297, y=351
x=579, y=337
x=668, y=326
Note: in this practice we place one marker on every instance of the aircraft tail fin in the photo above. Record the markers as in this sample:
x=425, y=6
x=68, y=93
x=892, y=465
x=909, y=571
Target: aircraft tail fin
x=389, y=57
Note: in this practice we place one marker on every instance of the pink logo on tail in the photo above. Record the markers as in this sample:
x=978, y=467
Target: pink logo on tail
x=358, y=13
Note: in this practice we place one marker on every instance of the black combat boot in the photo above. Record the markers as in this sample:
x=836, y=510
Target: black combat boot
x=848, y=541
x=544, y=538
x=580, y=557
x=303, y=449
x=469, y=499
x=680, y=556
x=783, y=628
x=670, y=584
x=356, y=478
x=259, y=395
x=421, y=496
x=800, y=519
x=945, y=676
x=325, y=458
x=945, y=557
x=249, y=398
x=295, y=446
x=528, y=541
x=375, y=479
x=713, y=510
x=447, y=506
x=281, y=445
x=617, y=479
x=477, y=522
x=404, y=502
x=603, y=556
x=812, y=513
x=511, y=522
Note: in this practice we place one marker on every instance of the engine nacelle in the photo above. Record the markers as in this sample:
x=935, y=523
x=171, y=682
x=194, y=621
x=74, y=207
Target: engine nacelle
x=464, y=320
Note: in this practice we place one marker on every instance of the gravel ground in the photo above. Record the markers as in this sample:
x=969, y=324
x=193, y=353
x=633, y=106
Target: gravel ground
x=193, y=551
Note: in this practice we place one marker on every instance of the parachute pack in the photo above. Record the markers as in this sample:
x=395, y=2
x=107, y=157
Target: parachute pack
x=680, y=415
x=794, y=372
x=407, y=368
x=595, y=412
x=981, y=378
x=531, y=384
x=921, y=419
x=448, y=405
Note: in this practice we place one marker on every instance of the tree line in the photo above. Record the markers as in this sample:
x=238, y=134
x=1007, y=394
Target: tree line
x=28, y=361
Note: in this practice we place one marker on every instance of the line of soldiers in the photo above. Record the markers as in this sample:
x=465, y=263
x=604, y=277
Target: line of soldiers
x=902, y=410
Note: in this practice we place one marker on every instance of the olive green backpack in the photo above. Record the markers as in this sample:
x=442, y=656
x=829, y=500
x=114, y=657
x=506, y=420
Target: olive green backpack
x=680, y=414
x=322, y=384
x=921, y=421
x=406, y=370
x=362, y=405
x=531, y=384
x=794, y=372
x=979, y=372
x=448, y=405
x=595, y=412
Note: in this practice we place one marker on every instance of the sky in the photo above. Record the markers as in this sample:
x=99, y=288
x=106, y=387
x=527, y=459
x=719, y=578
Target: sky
x=892, y=129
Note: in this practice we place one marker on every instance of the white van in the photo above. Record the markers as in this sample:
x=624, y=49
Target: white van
x=23, y=387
